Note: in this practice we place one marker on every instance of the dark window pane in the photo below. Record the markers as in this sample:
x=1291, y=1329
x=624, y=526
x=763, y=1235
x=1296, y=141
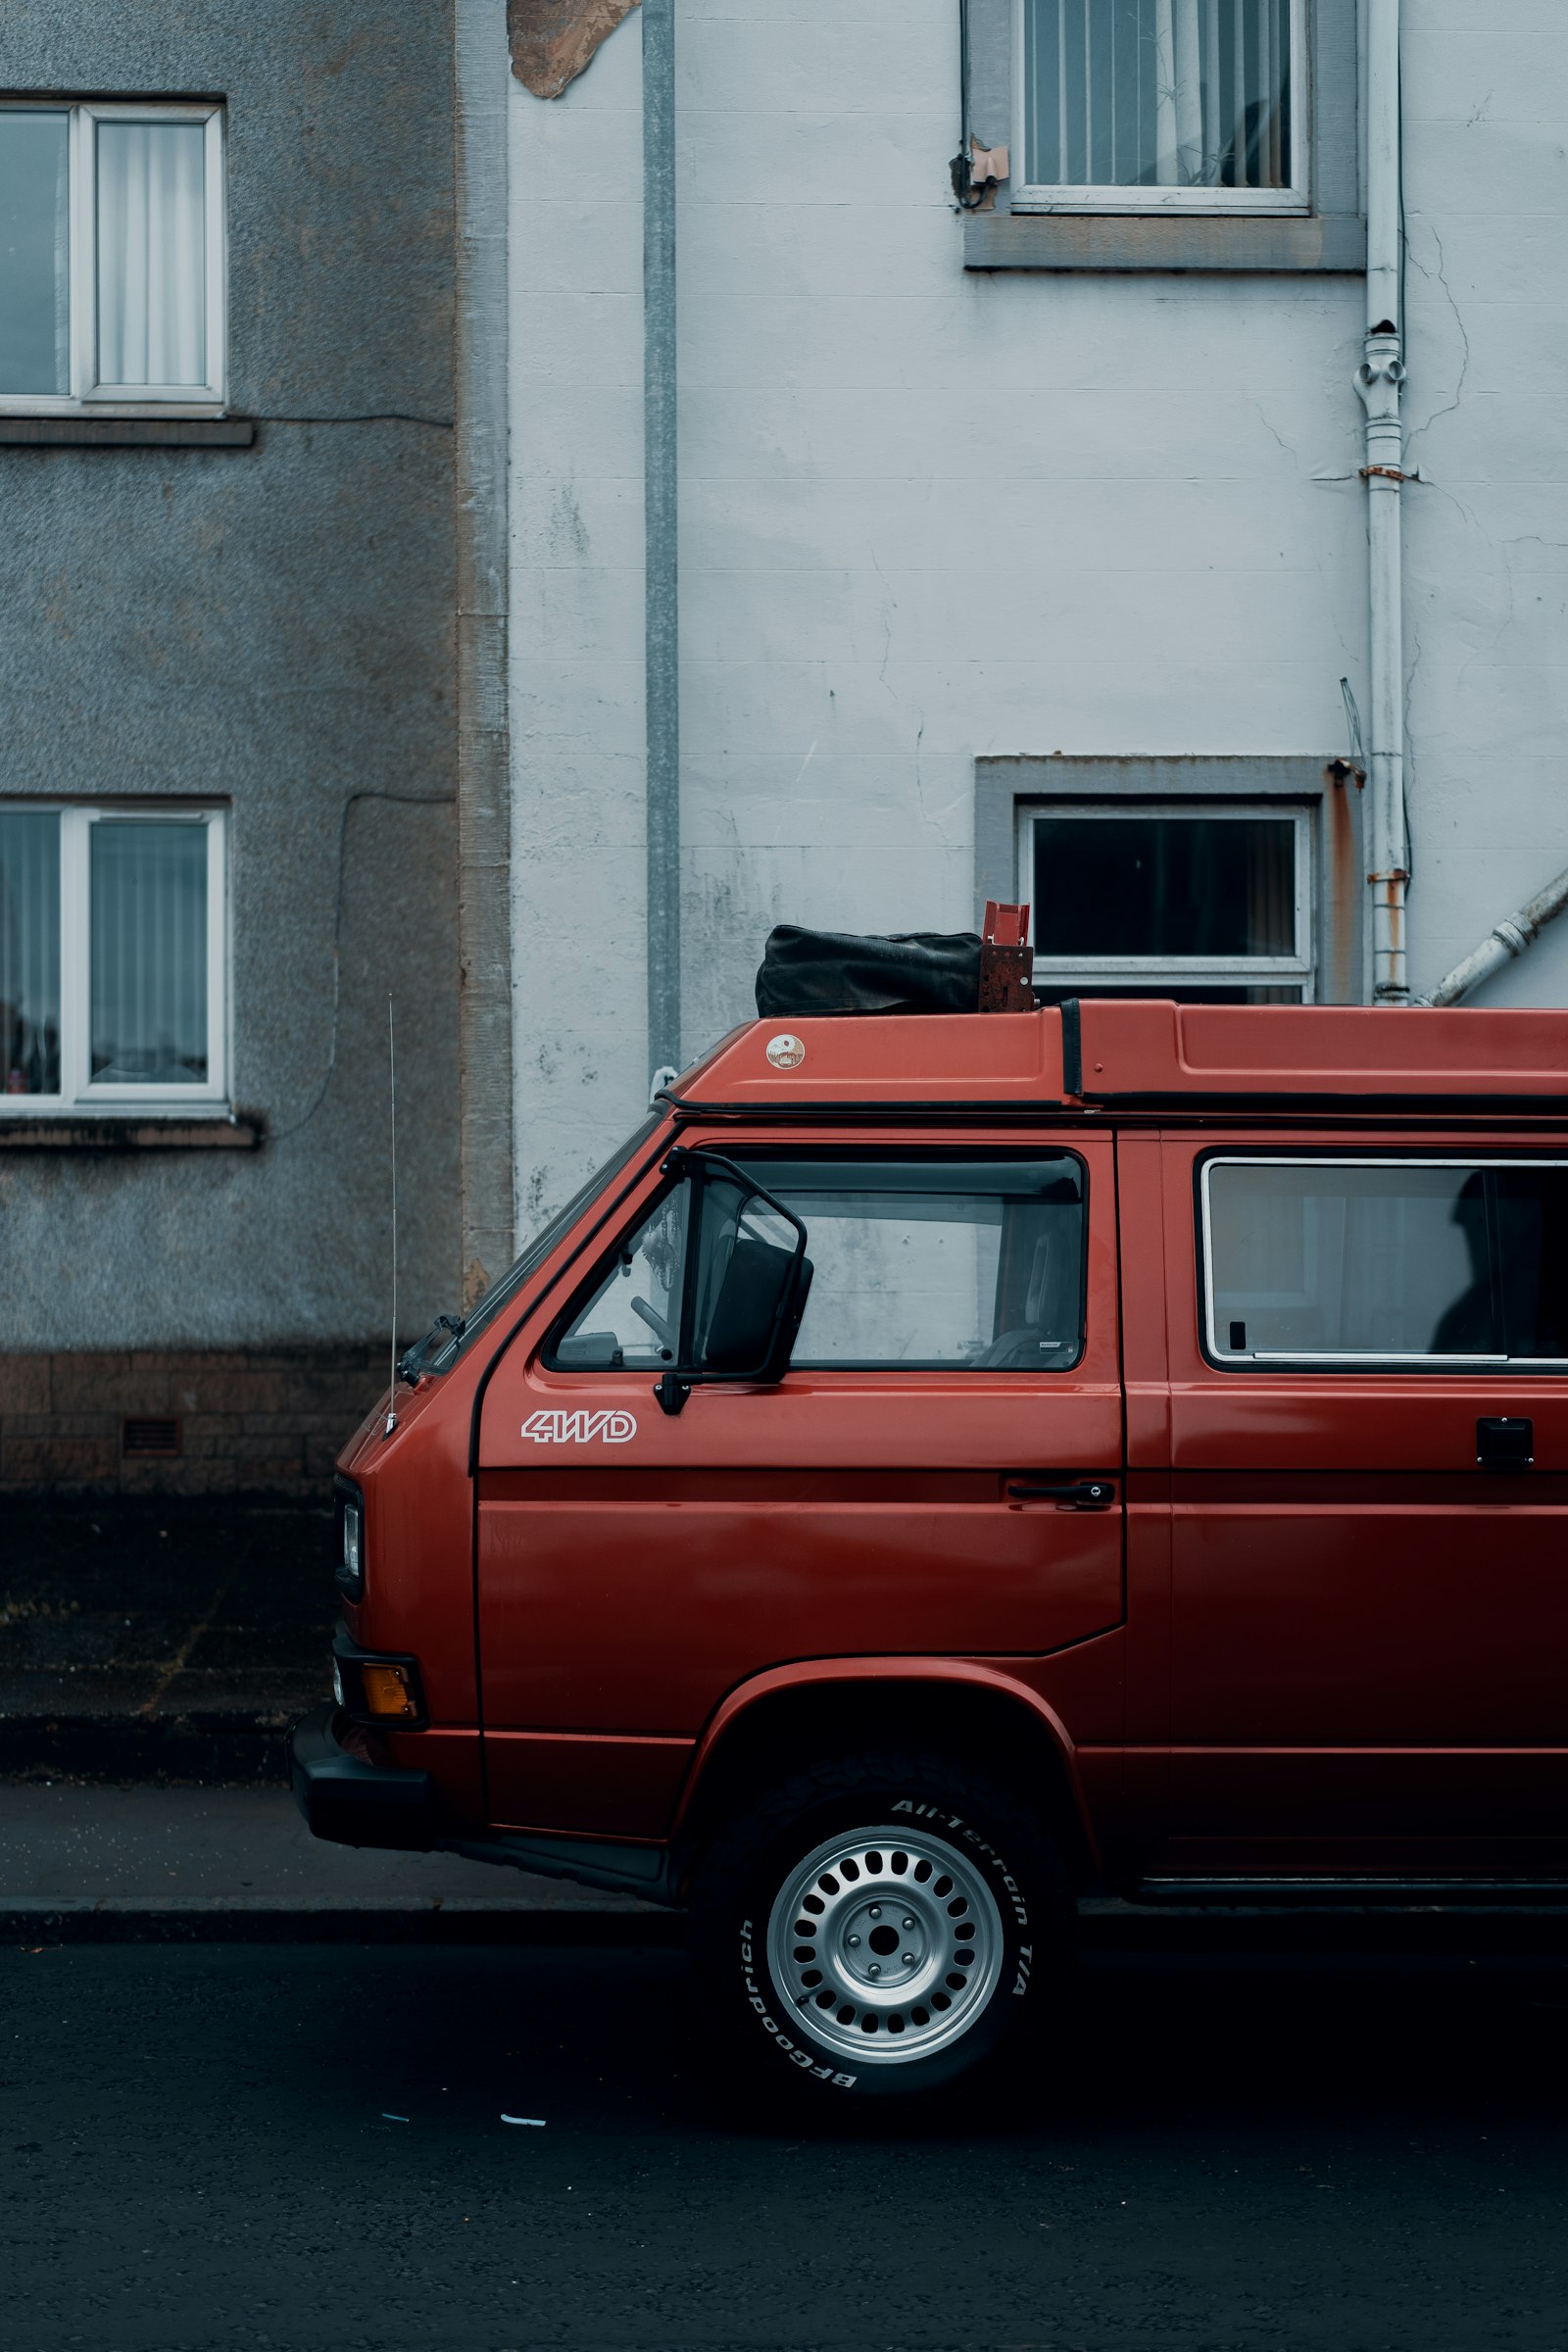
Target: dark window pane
x=1532, y=1218
x=30, y=950
x=1357, y=1260
x=1164, y=886
x=149, y=952
x=34, y=282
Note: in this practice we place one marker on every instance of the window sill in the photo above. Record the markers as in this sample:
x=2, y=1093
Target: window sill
x=126, y=432
x=136, y=1131
x=1133, y=241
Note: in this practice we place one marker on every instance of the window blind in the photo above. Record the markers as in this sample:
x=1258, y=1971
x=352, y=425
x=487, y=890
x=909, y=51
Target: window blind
x=1158, y=93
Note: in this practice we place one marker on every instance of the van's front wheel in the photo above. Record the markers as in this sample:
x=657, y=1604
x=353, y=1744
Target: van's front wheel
x=881, y=1924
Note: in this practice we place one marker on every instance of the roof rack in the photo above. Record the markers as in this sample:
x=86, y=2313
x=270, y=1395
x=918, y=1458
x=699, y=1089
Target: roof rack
x=1109, y=1053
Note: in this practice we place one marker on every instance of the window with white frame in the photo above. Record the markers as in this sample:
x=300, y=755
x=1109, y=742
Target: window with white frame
x=113, y=957
x=1204, y=902
x=1160, y=104
x=112, y=255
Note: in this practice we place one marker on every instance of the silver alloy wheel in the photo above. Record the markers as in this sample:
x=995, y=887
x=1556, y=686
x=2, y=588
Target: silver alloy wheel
x=888, y=1941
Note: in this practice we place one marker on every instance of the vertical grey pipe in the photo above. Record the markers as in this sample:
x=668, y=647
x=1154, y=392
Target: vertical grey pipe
x=484, y=754
x=1379, y=380
x=662, y=605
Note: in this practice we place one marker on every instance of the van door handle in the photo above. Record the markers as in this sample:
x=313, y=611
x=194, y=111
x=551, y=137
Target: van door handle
x=1507, y=1443
x=1084, y=1494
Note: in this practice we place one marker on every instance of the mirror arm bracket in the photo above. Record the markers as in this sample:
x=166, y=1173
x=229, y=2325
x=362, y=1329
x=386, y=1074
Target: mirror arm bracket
x=671, y=1390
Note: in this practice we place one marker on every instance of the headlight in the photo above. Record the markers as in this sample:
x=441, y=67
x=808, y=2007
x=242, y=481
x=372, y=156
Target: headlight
x=351, y=1541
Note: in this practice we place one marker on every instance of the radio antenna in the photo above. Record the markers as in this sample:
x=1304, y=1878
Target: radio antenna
x=392, y=1103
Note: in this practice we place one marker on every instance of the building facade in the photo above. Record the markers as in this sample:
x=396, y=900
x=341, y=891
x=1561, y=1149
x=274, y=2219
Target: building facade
x=229, y=738
x=1023, y=550
x=507, y=500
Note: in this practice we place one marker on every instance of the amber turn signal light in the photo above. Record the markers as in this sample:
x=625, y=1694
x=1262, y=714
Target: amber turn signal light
x=377, y=1688
x=389, y=1691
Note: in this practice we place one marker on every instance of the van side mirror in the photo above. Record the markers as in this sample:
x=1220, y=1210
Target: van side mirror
x=758, y=1312
x=750, y=1328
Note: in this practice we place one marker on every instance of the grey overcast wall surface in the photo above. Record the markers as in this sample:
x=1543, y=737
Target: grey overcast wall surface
x=271, y=626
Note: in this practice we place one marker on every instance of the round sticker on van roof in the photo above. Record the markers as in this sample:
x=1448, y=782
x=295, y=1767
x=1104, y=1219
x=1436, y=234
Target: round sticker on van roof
x=786, y=1052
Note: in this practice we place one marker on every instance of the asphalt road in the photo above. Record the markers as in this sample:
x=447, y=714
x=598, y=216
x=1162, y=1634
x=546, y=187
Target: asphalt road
x=1349, y=2150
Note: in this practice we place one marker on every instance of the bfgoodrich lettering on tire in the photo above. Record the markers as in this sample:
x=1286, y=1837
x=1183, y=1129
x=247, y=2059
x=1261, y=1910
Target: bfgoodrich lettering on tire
x=879, y=1924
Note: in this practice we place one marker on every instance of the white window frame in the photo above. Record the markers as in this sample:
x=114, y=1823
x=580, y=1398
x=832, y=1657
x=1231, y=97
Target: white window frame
x=1046, y=197
x=1160, y=972
x=88, y=394
x=80, y=1092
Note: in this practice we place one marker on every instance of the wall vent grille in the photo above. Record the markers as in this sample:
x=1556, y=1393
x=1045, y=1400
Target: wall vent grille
x=149, y=1436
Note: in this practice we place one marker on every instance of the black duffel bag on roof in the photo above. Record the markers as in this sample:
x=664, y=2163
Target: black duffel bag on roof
x=834, y=971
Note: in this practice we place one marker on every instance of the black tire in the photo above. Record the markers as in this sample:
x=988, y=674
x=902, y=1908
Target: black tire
x=943, y=1839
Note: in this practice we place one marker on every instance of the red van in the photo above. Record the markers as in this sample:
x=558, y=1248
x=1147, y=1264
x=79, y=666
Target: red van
x=945, y=1464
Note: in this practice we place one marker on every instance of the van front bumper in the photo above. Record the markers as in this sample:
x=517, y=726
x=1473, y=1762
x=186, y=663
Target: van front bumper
x=353, y=1802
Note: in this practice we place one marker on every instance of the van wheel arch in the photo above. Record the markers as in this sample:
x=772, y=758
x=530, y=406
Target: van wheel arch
x=785, y=1731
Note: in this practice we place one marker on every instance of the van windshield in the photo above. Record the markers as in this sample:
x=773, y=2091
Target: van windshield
x=460, y=1331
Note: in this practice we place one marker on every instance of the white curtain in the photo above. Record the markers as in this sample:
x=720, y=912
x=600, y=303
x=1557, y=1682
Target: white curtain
x=149, y=952
x=152, y=253
x=1158, y=93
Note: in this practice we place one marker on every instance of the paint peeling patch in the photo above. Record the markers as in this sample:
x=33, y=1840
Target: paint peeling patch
x=553, y=40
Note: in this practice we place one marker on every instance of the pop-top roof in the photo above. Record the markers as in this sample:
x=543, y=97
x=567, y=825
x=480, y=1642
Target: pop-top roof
x=1106, y=1052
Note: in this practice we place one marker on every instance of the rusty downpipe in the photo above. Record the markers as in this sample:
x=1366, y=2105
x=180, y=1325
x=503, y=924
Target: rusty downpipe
x=1379, y=380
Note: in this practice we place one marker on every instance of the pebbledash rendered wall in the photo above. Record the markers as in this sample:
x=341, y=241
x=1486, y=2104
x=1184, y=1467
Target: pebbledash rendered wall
x=273, y=626
x=933, y=517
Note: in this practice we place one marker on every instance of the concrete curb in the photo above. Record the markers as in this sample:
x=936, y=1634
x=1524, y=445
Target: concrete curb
x=221, y=1751
x=42, y=1919
x=1108, y=1928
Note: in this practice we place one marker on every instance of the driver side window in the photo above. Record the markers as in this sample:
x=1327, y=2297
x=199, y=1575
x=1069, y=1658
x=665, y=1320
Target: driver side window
x=960, y=1261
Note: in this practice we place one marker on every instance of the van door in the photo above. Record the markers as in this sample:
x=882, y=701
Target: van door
x=938, y=1474
x=1369, y=1422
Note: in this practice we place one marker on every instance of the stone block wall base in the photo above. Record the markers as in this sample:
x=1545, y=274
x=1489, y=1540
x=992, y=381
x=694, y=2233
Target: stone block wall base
x=244, y=1421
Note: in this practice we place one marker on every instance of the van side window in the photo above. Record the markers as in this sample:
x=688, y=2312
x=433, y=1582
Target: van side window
x=922, y=1263
x=632, y=1320
x=929, y=1264
x=1436, y=1262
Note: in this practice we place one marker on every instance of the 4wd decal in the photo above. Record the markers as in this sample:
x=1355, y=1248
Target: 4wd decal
x=578, y=1429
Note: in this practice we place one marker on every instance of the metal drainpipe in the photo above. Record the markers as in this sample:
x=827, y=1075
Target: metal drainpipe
x=662, y=517
x=484, y=784
x=1379, y=379
x=1516, y=933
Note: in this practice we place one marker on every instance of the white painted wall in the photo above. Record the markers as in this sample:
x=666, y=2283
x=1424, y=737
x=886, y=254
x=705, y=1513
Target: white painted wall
x=577, y=726
x=929, y=515
x=1485, y=179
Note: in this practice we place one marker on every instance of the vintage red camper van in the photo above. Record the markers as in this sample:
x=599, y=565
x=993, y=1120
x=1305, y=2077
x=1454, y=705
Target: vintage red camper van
x=945, y=1464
